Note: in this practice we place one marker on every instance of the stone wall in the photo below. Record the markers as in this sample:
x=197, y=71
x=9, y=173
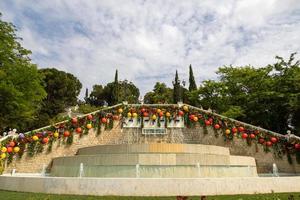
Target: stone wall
x=176, y=135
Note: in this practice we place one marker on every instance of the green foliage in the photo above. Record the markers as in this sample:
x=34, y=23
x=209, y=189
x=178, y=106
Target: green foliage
x=115, y=90
x=20, y=83
x=160, y=94
x=1, y=167
x=192, y=82
x=234, y=112
x=87, y=108
x=127, y=92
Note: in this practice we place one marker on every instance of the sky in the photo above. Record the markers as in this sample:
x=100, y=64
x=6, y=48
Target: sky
x=147, y=41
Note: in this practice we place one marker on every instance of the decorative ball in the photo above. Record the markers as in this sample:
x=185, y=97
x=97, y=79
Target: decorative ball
x=21, y=136
x=104, y=120
x=241, y=129
x=56, y=134
x=217, y=126
x=35, y=138
x=244, y=135
x=45, y=140
x=120, y=110
x=74, y=120
x=66, y=134
x=158, y=110
x=9, y=149
x=116, y=117
x=12, y=144
x=186, y=108
x=129, y=115
x=269, y=143
x=207, y=122
x=154, y=117
x=134, y=115
x=227, y=131
x=252, y=136
x=261, y=140
x=234, y=130
x=89, y=117
x=3, y=155
x=195, y=119
x=274, y=139
x=145, y=114
x=161, y=113
x=3, y=149
x=89, y=126
x=297, y=146
x=78, y=130
x=180, y=113
x=16, y=149
x=168, y=114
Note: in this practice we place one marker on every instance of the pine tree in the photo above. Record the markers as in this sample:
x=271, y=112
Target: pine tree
x=115, y=93
x=86, y=97
x=192, y=81
x=176, y=89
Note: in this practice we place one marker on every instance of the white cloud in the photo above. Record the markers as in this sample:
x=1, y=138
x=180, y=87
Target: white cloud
x=153, y=38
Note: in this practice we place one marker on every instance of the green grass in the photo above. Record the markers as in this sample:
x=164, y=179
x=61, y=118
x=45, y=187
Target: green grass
x=7, y=195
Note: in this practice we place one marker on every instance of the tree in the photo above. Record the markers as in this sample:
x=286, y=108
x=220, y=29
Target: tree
x=160, y=94
x=21, y=90
x=176, y=89
x=62, y=91
x=192, y=82
x=115, y=90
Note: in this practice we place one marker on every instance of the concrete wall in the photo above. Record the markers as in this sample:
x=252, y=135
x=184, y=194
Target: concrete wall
x=150, y=187
x=177, y=135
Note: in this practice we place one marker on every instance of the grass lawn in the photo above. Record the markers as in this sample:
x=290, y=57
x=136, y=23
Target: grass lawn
x=7, y=195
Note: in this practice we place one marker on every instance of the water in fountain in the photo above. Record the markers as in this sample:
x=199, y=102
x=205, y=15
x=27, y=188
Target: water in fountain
x=81, y=172
x=137, y=168
x=43, y=173
x=275, y=170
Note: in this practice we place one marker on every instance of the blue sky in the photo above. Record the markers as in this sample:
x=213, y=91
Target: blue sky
x=148, y=40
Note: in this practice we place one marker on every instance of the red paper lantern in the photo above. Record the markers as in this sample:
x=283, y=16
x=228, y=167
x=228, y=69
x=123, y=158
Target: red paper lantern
x=145, y=114
x=207, y=122
x=74, y=120
x=161, y=113
x=12, y=144
x=180, y=113
x=9, y=149
x=104, y=120
x=244, y=135
x=217, y=126
x=297, y=146
x=143, y=110
x=252, y=136
x=89, y=117
x=66, y=133
x=274, y=139
x=269, y=143
x=241, y=129
x=234, y=130
x=78, y=130
x=195, y=119
x=191, y=117
x=261, y=140
x=45, y=140
x=211, y=120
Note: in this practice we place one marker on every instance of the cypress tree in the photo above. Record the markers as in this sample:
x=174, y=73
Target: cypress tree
x=192, y=82
x=86, y=98
x=176, y=89
x=115, y=92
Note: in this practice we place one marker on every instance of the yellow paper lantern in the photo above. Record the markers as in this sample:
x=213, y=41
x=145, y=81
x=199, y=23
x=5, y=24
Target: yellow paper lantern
x=186, y=108
x=120, y=110
x=35, y=138
x=195, y=119
x=3, y=149
x=89, y=126
x=168, y=114
x=154, y=117
x=134, y=115
x=227, y=131
x=3, y=155
x=129, y=115
x=56, y=134
x=158, y=110
x=16, y=149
